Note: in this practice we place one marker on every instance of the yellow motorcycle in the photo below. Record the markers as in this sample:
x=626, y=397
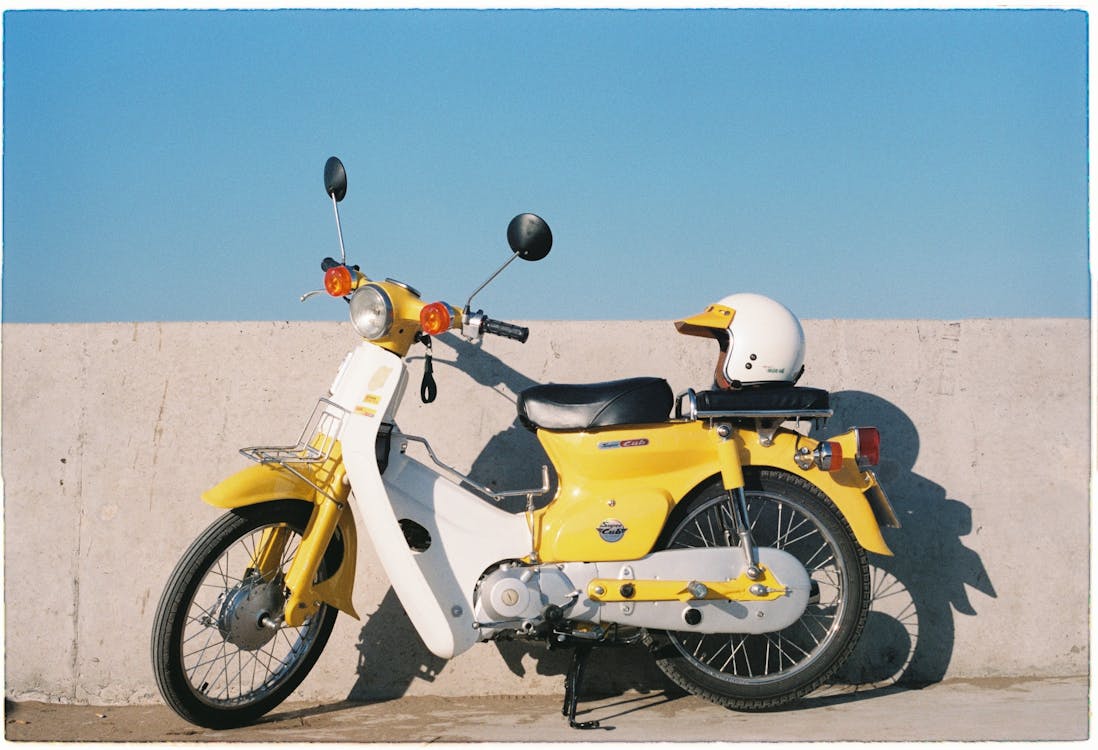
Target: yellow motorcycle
x=701, y=525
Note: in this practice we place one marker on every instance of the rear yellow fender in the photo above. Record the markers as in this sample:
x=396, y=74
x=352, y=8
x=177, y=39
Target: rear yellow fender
x=846, y=488
x=263, y=483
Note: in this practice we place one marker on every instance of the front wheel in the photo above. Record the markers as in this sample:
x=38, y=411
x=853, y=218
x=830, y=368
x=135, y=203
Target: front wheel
x=220, y=658
x=764, y=671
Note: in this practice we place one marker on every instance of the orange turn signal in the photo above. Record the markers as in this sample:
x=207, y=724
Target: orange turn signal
x=435, y=318
x=831, y=459
x=338, y=281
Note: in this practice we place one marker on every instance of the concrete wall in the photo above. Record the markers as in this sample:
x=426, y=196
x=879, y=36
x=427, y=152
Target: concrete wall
x=111, y=431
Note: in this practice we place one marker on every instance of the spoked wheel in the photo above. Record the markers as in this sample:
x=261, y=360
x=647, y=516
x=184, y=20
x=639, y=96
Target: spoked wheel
x=220, y=657
x=762, y=671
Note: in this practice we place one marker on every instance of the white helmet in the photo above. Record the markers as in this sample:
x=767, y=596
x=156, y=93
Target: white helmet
x=761, y=341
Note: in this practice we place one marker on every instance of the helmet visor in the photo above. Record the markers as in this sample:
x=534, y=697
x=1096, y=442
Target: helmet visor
x=714, y=318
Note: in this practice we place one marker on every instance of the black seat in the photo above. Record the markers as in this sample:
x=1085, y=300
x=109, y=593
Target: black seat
x=583, y=407
x=788, y=399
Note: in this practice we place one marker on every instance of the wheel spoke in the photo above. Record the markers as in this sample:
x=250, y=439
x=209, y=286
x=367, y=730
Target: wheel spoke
x=808, y=622
x=219, y=646
x=732, y=656
x=701, y=534
x=815, y=562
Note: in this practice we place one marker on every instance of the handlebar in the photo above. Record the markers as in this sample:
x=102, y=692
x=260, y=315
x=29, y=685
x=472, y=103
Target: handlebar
x=476, y=324
x=507, y=330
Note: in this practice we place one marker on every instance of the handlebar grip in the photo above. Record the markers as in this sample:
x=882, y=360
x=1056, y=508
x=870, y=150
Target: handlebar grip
x=507, y=330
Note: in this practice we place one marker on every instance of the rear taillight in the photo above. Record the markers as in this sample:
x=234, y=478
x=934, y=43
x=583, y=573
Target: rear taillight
x=869, y=446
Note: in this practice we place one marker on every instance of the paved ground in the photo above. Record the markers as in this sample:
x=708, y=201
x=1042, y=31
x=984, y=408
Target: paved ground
x=1045, y=709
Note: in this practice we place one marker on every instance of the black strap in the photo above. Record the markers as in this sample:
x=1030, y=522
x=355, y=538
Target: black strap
x=428, y=390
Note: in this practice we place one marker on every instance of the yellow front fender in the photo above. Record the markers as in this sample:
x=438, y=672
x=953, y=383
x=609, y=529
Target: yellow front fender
x=266, y=482
x=259, y=484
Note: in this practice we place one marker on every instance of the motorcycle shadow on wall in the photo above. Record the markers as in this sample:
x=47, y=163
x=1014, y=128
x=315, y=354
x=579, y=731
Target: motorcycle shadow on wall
x=909, y=633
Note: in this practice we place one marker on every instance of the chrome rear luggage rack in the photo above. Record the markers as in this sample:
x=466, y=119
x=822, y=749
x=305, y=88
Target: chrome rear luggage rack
x=767, y=421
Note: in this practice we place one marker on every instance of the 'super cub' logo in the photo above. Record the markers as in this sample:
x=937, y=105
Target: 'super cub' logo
x=611, y=444
x=611, y=530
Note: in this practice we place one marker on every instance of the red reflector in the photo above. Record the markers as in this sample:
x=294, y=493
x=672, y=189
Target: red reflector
x=338, y=281
x=869, y=446
x=435, y=318
x=836, y=456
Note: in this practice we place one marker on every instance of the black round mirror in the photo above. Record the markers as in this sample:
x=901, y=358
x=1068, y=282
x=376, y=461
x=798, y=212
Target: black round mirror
x=529, y=236
x=335, y=178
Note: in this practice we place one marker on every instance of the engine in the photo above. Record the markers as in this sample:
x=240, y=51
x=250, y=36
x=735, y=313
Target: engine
x=518, y=597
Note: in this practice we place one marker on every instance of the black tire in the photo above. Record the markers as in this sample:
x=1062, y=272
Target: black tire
x=759, y=672
x=214, y=665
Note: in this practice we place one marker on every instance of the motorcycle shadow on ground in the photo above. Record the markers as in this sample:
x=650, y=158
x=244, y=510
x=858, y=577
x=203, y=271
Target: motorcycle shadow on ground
x=909, y=633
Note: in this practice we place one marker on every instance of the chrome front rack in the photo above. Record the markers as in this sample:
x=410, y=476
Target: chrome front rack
x=314, y=447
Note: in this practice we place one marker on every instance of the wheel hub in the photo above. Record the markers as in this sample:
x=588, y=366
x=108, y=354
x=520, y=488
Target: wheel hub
x=243, y=609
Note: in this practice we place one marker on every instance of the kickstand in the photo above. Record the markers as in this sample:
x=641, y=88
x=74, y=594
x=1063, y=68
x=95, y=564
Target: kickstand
x=571, y=689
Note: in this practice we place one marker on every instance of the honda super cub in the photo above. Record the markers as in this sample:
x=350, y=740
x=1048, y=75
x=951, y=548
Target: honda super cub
x=701, y=526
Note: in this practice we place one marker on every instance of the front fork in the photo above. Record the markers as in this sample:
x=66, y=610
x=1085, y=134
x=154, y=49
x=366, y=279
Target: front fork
x=303, y=595
x=733, y=481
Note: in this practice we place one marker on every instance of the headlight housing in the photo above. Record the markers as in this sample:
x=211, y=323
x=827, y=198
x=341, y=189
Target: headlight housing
x=371, y=312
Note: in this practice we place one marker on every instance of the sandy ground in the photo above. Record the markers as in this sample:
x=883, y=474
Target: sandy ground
x=1021, y=710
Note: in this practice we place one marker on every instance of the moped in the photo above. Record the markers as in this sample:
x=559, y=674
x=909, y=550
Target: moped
x=702, y=525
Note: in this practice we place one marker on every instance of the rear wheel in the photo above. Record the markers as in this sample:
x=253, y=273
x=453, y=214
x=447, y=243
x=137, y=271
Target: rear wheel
x=219, y=659
x=762, y=671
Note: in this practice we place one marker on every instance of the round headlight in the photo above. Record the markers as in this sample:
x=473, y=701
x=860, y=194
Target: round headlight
x=371, y=312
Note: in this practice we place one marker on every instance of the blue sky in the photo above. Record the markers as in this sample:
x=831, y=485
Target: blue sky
x=853, y=164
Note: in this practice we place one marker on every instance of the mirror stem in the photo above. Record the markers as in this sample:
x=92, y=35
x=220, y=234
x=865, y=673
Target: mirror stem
x=339, y=231
x=489, y=281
